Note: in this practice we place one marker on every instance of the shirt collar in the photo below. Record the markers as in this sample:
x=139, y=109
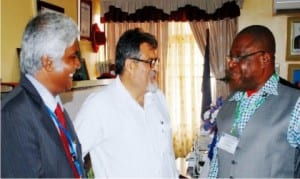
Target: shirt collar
x=46, y=96
x=269, y=88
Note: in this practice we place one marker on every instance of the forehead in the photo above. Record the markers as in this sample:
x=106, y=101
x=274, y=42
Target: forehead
x=73, y=47
x=147, y=49
x=243, y=42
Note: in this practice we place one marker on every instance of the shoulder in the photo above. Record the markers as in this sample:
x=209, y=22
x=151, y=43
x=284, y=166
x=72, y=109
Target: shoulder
x=103, y=94
x=21, y=111
x=15, y=100
x=97, y=103
x=288, y=90
x=160, y=94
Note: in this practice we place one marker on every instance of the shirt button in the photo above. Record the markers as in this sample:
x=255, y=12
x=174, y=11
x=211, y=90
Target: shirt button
x=233, y=162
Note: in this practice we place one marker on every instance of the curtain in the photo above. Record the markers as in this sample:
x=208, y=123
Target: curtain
x=158, y=29
x=183, y=86
x=206, y=87
x=222, y=33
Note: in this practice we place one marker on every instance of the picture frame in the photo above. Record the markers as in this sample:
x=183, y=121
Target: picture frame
x=45, y=7
x=293, y=39
x=18, y=52
x=294, y=73
x=85, y=19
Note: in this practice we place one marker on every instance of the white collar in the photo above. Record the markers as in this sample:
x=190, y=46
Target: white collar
x=46, y=96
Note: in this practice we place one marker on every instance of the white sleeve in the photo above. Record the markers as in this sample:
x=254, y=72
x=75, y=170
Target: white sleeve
x=88, y=124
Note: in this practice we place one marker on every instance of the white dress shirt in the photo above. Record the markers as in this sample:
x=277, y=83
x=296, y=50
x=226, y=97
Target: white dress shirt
x=124, y=139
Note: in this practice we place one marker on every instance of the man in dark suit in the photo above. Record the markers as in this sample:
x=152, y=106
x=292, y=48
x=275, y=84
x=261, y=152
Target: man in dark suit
x=37, y=137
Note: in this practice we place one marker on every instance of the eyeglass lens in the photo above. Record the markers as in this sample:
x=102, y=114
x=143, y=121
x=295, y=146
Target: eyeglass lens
x=239, y=58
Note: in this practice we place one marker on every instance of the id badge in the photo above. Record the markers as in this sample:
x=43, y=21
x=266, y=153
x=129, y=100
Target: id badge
x=74, y=146
x=228, y=143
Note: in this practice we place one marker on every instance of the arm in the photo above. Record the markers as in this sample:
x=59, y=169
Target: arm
x=87, y=125
x=213, y=170
x=20, y=154
x=293, y=135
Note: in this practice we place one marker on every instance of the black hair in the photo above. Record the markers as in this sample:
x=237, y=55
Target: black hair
x=128, y=46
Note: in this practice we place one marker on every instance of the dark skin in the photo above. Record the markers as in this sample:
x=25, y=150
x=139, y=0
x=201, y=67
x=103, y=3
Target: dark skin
x=250, y=73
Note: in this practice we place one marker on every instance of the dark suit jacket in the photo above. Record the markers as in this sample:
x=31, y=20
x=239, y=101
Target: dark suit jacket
x=30, y=143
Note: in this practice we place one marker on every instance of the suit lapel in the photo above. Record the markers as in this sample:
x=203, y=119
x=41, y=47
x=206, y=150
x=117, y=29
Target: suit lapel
x=46, y=120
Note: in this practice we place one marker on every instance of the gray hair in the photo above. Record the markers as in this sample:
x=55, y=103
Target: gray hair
x=47, y=34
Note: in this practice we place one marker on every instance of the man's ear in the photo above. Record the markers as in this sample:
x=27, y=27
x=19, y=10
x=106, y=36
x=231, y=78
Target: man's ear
x=47, y=63
x=129, y=66
x=266, y=60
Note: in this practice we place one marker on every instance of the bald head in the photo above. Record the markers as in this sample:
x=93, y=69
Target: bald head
x=262, y=36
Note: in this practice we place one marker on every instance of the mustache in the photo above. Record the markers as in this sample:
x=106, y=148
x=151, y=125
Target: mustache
x=226, y=78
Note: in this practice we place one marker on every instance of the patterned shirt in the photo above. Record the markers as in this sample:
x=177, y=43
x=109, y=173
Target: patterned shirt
x=247, y=110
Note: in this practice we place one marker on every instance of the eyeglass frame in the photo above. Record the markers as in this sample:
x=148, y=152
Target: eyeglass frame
x=152, y=61
x=240, y=58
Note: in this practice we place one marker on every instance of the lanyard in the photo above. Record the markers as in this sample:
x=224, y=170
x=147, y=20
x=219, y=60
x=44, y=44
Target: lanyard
x=71, y=144
x=239, y=111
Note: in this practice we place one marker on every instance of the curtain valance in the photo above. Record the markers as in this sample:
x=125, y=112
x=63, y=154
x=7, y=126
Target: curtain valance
x=170, y=10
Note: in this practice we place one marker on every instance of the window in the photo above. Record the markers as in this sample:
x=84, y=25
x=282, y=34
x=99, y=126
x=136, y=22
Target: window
x=184, y=71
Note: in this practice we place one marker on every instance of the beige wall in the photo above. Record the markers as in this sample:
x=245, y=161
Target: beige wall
x=16, y=13
x=261, y=12
x=70, y=7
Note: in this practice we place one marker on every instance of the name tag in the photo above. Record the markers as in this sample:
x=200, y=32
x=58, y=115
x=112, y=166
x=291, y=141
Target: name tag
x=228, y=143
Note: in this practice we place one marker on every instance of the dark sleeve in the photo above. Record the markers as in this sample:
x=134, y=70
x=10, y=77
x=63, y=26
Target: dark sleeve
x=20, y=156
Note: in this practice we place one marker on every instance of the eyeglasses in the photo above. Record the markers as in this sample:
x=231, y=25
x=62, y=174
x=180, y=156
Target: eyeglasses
x=151, y=61
x=239, y=58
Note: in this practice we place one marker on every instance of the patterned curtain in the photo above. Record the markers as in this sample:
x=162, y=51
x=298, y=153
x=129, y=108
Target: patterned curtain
x=168, y=10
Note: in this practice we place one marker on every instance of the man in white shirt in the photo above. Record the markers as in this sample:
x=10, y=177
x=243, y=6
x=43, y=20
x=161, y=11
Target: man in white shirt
x=126, y=129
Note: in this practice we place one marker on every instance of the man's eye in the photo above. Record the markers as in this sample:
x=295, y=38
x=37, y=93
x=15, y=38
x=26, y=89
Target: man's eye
x=78, y=55
x=74, y=56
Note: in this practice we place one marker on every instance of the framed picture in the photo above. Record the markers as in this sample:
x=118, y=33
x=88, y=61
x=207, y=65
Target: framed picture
x=44, y=6
x=294, y=73
x=85, y=15
x=18, y=52
x=293, y=39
